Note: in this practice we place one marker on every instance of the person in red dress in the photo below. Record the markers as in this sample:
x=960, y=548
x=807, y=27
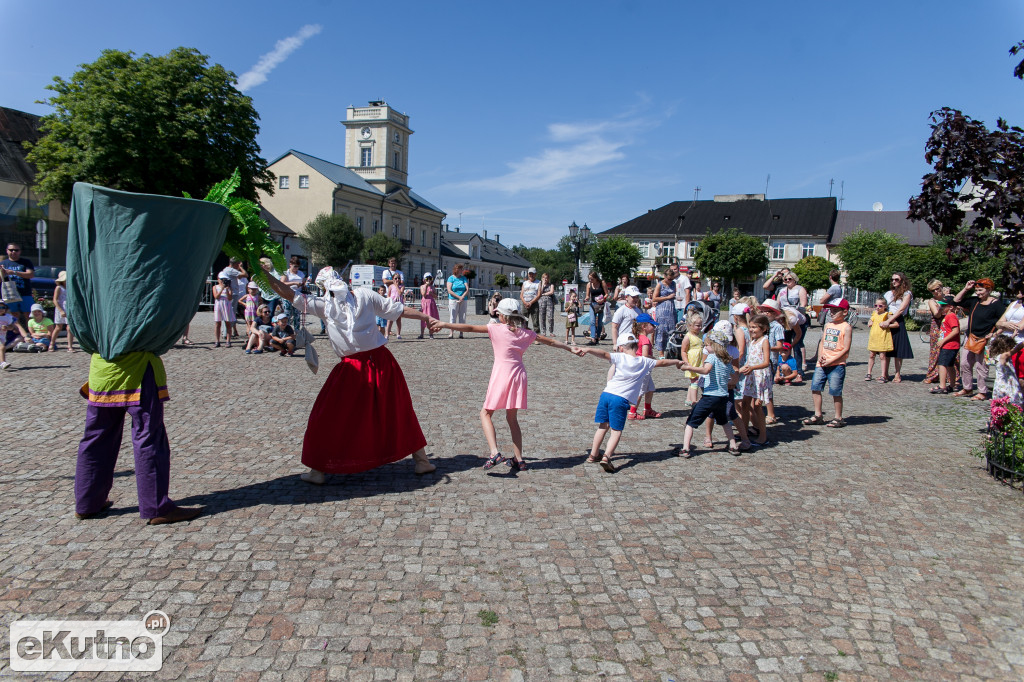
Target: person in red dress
x=363, y=417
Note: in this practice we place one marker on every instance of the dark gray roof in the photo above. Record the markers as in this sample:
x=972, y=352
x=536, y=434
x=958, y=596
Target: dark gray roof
x=916, y=232
x=490, y=250
x=812, y=217
x=17, y=127
x=339, y=175
x=275, y=223
x=423, y=202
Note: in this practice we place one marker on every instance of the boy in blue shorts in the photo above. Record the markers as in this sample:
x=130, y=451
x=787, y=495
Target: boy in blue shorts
x=623, y=389
x=833, y=350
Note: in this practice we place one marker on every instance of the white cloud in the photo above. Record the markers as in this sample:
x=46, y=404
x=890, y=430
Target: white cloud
x=268, y=62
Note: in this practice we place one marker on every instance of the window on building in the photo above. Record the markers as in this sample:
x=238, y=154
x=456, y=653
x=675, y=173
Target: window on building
x=359, y=222
x=423, y=237
x=303, y=182
x=398, y=138
x=394, y=230
x=433, y=240
x=806, y=249
x=376, y=226
x=645, y=249
x=282, y=182
x=366, y=157
x=778, y=251
x=668, y=250
x=398, y=158
x=691, y=249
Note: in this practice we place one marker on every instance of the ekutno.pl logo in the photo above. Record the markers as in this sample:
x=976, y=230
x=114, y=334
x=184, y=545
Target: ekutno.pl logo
x=73, y=645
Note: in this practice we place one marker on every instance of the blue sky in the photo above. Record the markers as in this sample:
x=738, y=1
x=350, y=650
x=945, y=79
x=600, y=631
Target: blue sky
x=530, y=115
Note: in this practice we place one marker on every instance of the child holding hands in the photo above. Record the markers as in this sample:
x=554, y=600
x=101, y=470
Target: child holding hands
x=507, y=388
x=719, y=381
x=622, y=390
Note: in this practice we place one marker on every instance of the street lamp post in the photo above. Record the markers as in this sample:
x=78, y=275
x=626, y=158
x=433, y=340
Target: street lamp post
x=578, y=236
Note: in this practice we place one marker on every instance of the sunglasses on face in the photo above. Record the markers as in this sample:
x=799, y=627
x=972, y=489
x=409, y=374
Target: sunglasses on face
x=896, y=279
x=879, y=305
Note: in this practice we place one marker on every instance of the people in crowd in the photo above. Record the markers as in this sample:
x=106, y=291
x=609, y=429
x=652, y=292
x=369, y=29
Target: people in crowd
x=757, y=389
x=271, y=298
x=60, y=313
x=382, y=324
x=1012, y=321
x=572, y=316
x=250, y=302
x=390, y=271
x=622, y=318
x=458, y=290
x=833, y=352
x=737, y=294
x=11, y=334
x=396, y=292
x=282, y=336
x=696, y=294
x=983, y=312
x=949, y=346
x=507, y=388
x=428, y=303
x=684, y=293
x=719, y=380
x=547, y=305
x=833, y=293
x=609, y=304
x=665, y=310
x=643, y=329
x=715, y=295
x=20, y=271
x=691, y=349
x=793, y=295
x=936, y=289
x=492, y=307
x=776, y=336
x=898, y=301
x=595, y=297
x=786, y=374
x=1009, y=357
x=622, y=390
x=40, y=328
x=223, y=310
x=529, y=294
x=259, y=334
x=239, y=279
x=772, y=284
x=296, y=280
x=879, y=338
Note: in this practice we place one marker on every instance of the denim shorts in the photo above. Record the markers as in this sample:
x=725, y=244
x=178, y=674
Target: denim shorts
x=835, y=376
x=612, y=410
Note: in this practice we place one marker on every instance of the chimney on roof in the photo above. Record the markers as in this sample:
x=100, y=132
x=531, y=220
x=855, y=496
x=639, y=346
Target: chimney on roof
x=458, y=229
x=485, y=235
x=729, y=198
x=497, y=238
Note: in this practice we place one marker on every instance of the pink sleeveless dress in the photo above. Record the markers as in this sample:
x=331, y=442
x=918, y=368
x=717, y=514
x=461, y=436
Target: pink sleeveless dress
x=428, y=305
x=507, y=388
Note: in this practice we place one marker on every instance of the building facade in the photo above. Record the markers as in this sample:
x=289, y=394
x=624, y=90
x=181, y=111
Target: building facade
x=790, y=228
x=371, y=188
x=485, y=257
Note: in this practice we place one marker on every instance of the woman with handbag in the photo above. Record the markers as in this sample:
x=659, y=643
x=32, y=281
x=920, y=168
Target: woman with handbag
x=983, y=312
x=898, y=301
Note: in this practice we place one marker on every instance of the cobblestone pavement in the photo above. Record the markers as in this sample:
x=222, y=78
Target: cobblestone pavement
x=878, y=551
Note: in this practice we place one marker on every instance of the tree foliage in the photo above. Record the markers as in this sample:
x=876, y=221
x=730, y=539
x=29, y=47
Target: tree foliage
x=500, y=280
x=332, y=239
x=552, y=261
x=813, y=272
x=383, y=247
x=161, y=125
x=730, y=254
x=959, y=149
x=614, y=257
x=866, y=258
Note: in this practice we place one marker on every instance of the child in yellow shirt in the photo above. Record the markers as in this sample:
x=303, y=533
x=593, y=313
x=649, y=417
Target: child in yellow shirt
x=879, y=336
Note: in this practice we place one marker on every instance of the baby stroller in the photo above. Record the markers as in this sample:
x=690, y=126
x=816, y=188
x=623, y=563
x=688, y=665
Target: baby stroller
x=708, y=314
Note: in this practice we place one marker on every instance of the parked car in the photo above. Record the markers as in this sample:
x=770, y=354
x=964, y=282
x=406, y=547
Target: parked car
x=44, y=278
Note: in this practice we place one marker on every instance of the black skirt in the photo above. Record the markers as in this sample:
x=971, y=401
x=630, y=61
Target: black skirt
x=901, y=341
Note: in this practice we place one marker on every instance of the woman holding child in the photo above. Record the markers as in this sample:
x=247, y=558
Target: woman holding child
x=897, y=300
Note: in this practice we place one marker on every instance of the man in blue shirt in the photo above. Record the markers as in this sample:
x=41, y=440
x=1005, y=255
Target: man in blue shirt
x=20, y=271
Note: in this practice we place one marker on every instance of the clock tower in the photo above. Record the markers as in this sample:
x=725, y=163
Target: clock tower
x=377, y=145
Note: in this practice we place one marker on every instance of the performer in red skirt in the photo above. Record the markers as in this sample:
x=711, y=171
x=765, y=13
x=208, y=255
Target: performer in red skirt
x=363, y=417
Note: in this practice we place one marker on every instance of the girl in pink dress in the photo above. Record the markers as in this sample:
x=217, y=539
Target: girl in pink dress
x=428, y=303
x=507, y=388
x=396, y=292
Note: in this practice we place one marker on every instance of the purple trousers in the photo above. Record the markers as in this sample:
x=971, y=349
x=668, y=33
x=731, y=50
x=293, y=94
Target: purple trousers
x=97, y=454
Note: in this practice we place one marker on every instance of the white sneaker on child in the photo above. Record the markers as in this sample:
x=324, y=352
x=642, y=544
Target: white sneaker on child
x=5, y=365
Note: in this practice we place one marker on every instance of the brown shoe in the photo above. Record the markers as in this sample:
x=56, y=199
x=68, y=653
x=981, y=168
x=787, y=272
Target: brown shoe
x=178, y=514
x=106, y=505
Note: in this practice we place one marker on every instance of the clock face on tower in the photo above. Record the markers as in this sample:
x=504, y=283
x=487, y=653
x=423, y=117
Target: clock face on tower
x=366, y=133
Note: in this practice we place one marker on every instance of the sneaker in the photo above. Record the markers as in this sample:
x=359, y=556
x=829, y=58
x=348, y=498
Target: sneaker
x=496, y=458
x=248, y=351
x=257, y=352
x=5, y=365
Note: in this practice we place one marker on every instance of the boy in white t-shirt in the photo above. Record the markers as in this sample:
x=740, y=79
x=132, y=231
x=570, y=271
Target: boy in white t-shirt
x=623, y=389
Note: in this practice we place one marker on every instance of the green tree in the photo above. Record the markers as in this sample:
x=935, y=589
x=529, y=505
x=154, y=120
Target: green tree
x=333, y=240
x=730, y=255
x=813, y=272
x=615, y=256
x=160, y=125
x=869, y=258
x=552, y=261
x=500, y=280
x=383, y=247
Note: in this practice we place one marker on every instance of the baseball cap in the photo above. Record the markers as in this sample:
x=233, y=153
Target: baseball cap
x=644, y=318
x=280, y=316
x=841, y=304
x=624, y=338
x=786, y=345
x=533, y=270
x=947, y=300
x=631, y=291
x=427, y=275
x=510, y=306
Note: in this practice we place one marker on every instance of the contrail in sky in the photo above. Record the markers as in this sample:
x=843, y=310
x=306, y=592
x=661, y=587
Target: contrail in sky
x=267, y=63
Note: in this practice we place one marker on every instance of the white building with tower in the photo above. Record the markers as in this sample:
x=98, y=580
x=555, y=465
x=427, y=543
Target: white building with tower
x=371, y=187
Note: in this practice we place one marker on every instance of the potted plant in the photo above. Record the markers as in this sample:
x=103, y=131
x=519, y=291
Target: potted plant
x=1004, y=444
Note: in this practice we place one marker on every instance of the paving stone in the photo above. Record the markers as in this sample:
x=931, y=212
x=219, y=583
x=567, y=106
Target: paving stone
x=882, y=550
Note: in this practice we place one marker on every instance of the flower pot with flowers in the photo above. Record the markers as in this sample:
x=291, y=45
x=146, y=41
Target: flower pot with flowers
x=1004, y=444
